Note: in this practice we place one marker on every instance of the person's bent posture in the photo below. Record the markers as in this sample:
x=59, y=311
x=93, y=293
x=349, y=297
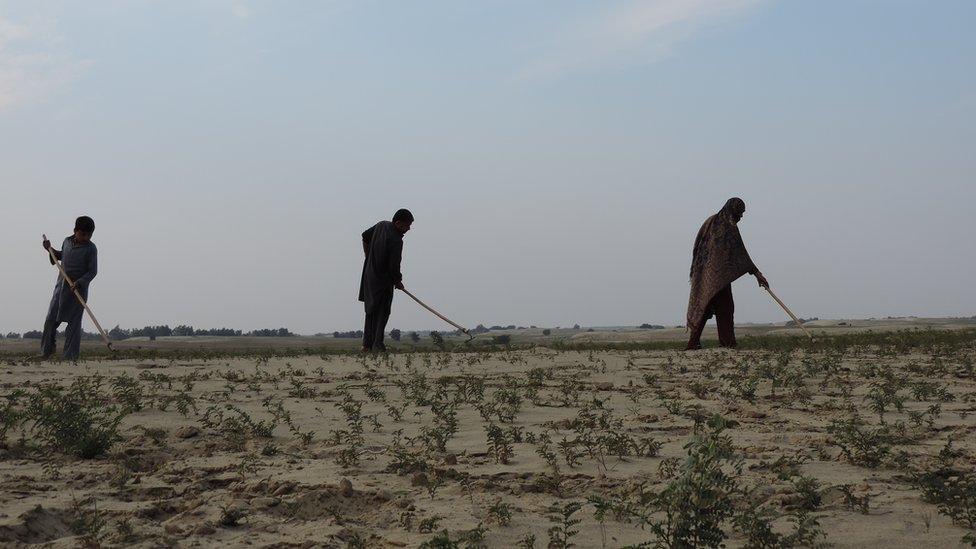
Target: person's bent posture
x=719, y=258
x=383, y=246
x=79, y=257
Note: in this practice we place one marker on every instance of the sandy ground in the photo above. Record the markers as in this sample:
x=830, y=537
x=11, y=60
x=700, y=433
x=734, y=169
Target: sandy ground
x=352, y=457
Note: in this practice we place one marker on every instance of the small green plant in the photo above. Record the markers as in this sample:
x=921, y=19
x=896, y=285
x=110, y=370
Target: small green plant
x=806, y=492
x=429, y=524
x=442, y=539
x=500, y=513
x=954, y=492
x=129, y=393
x=231, y=516
x=699, y=389
x=701, y=494
x=883, y=394
x=125, y=532
x=87, y=522
x=76, y=420
x=757, y=527
x=854, y=502
x=563, y=527
x=860, y=443
x=10, y=413
x=352, y=436
x=499, y=444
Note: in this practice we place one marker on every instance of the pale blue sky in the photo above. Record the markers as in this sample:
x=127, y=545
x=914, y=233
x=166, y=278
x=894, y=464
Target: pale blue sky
x=559, y=156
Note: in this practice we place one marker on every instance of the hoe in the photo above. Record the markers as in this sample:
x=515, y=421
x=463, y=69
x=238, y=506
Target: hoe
x=440, y=316
x=789, y=312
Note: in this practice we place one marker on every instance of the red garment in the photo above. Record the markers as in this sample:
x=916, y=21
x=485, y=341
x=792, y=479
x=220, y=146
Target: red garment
x=719, y=258
x=723, y=306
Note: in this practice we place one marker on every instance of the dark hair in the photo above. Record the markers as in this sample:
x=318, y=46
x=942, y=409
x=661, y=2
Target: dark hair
x=403, y=215
x=85, y=223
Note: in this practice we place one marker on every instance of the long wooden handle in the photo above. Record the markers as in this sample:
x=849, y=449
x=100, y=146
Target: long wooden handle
x=81, y=300
x=431, y=309
x=789, y=312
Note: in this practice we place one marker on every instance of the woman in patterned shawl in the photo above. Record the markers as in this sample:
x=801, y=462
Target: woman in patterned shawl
x=719, y=258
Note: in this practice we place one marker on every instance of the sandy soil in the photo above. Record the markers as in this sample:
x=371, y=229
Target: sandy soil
x=352, y=458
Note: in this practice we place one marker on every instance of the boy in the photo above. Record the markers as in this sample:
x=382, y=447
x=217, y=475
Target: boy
x=79, y=257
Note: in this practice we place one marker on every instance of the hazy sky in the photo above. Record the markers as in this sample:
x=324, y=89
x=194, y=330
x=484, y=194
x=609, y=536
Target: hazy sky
x=559, y=156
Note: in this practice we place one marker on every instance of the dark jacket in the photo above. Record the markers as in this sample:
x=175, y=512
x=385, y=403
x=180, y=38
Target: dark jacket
x=381, y=269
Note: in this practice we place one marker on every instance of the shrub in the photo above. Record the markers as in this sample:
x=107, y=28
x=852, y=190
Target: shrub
x=954, y=492
x=861, y=444
x=395, y=334
x=76, y=420
x=700, y=498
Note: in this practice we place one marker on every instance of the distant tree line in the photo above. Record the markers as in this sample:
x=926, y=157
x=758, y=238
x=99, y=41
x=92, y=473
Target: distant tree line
x=651, y=327
x=183, y=330
x=791, y=323
x=481, y=329
x=395, y=335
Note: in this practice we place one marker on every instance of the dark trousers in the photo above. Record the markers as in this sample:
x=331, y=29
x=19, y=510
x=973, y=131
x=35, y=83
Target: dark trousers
x=723, y=307
x=376, y=324
x=72, y=336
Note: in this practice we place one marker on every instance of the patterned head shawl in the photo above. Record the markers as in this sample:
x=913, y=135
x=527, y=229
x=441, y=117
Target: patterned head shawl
x=719, y=258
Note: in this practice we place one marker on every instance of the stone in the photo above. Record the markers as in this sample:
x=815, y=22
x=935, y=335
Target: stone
x=187, y=431
x=265, y=502
x=284, y=488
x=204, y=530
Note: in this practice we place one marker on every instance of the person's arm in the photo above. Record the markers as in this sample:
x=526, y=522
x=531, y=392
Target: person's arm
x=86, y=278
x=47, y=246
x=395, y=265
x=695, y=251
x=754, y=270
x=367, y=239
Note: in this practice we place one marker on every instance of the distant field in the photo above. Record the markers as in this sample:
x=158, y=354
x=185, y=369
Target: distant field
x=666, y=338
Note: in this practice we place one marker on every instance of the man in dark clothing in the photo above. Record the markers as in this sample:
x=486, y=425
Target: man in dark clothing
x=719, y=258
x=79, y=257
x=383, y=246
